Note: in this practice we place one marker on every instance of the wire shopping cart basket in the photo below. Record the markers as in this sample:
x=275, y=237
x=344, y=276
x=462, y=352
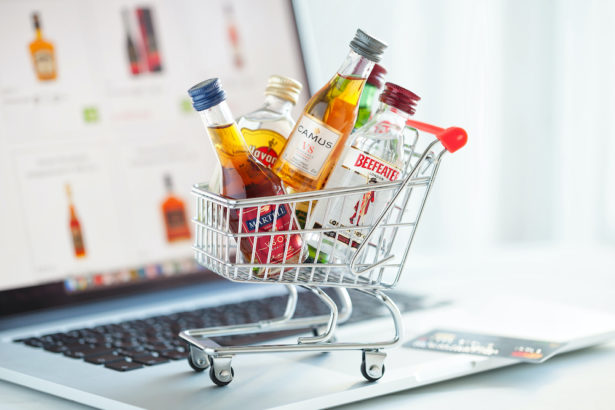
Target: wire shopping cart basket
x=372, y=260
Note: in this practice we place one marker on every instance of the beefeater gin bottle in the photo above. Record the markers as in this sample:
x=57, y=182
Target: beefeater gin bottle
x=373, y=155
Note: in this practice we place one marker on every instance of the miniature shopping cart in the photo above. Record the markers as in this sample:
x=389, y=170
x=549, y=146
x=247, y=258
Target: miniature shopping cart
x=376, y=263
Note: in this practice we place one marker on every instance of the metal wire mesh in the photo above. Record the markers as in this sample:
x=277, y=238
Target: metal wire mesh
x=360, y=256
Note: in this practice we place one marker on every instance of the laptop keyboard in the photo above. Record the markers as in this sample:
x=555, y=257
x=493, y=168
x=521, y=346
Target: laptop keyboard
x=135, y=344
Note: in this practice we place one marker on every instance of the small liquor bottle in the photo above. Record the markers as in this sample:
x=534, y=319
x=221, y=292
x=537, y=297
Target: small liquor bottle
x=233, y=35
x=244, y=177
x=43, y=54
x=375, y=155
x=174, y=213
x=320, y=134
x=75, y=226
x=369, y=96
x=266, y=129
x=152, y=53
x=131, y=49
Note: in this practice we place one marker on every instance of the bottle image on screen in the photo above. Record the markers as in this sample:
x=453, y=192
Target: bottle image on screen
x=245, y=177
x=43, y=54
x=233, y=35
x=320, y=134
x=150, y=42
x=132, y=51
x=74, y=225
x=174, y=213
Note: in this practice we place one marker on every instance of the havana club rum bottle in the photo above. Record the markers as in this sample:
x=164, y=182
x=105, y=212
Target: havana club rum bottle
x=369, y=96
x=320, y=134
x=375, y=155
x=245, y=177
x=266, y=129
x=174, y=213
x=43, y=54
x=75, y=226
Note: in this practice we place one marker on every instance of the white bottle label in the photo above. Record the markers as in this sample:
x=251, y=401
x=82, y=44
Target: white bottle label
x=310, y=145
x=360, y=210
x=372, y=168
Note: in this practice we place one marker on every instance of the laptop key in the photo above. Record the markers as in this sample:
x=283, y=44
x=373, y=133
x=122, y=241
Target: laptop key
x=87, y=351
x=55, y=348
x=150, y=360
x=34, y=342
x=105, y=358
x=123, y=365
x=175, y=354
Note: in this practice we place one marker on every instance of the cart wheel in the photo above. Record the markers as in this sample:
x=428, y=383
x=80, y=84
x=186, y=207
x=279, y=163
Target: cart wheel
x=224, y=374
x=198, y=359
x=372, y=366
x=196, y=367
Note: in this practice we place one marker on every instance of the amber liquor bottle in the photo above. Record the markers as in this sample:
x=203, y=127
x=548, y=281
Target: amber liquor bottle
x=43, y=54
x=245, y=177
x=319, y=136
x=75, y=226
x=174, y=212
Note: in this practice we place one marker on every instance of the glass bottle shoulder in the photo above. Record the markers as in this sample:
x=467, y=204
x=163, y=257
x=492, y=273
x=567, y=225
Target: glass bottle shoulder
x=382, y=137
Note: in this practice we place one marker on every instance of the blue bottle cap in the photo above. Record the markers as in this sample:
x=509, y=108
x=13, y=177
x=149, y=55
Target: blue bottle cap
x=207, y=94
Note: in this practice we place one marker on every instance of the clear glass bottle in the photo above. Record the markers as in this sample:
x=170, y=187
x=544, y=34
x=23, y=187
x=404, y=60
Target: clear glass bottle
x=369, y=96
x=244, y=177
x=373, y=155
x=266, y=129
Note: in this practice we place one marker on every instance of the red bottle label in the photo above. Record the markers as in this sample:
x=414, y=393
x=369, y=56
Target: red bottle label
x=283, y=222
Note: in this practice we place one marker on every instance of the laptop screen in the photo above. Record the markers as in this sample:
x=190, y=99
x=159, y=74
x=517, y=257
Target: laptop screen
x=99, y=145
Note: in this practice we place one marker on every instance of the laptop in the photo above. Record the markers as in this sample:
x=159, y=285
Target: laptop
x=98, y=154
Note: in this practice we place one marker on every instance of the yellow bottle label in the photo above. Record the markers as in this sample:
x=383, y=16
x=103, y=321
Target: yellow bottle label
x=264, y=145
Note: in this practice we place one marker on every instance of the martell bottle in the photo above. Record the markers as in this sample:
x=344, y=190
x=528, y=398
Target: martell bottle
x=43, y=54
x=244, y=177
x=328, y=118
x=266, y=129
x=75, y=226
x=375, y=155
x=174, y=213
x=369, y=96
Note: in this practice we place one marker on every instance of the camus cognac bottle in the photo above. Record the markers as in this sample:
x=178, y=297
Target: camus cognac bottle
x=375, y=155
x=245, y=177
x=320, y=134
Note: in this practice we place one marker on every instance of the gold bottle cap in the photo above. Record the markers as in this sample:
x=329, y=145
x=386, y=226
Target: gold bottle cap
x=283, y=87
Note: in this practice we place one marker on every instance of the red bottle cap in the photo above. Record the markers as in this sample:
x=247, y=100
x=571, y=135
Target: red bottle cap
x=376, y=78
x=399, y=97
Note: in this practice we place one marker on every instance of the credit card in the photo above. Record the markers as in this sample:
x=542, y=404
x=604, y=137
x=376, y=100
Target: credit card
x=452, y=341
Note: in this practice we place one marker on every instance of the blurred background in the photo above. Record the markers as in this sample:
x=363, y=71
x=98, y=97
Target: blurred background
x=97, y=133
x=533, y=84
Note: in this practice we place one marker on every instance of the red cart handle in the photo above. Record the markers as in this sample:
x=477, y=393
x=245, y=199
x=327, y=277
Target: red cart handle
x=452, y=138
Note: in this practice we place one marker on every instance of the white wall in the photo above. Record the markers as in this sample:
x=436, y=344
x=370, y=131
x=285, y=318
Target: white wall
x=533, y=83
